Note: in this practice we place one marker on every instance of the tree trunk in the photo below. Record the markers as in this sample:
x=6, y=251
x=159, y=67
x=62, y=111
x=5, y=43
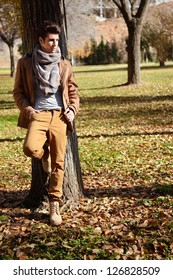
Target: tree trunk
x=34, y=13
x=162, y=63
x=133, y=50
x=133, y=13
x=72, y=184
x=12, y=67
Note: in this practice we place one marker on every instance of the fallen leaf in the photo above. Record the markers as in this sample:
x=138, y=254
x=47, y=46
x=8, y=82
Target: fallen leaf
x=51, y=243
x=107, y=247
x=96, y=251
x=144, y=224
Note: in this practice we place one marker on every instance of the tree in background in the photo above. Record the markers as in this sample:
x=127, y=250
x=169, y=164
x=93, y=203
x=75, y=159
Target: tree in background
x=158, y=30
x=34, y=13
x=9, y=28
x=146, y=54
x=133, y=12
x=102, y=53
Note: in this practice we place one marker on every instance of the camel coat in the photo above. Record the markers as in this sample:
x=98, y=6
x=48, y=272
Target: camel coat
x=24, y=95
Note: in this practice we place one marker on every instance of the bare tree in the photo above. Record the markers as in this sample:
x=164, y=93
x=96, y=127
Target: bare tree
x=35, y=12
x=9, y=30
x=133, y=12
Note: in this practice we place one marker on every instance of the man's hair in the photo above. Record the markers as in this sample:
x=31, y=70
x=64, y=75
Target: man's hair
x=48, y=27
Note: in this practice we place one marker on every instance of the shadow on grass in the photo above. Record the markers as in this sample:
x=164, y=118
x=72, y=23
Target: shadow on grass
x=11, y=140
x=121, y=68
x=138, y=192
x=103, y=135
x=124, y=99
x=127, y=134
x=135, y=107
x=156, y=67
x=106, y=69
x=28, y=215
x=13, y=199
x=7, y=105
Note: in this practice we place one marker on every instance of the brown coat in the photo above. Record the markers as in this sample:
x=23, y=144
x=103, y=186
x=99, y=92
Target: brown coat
x=23, y=92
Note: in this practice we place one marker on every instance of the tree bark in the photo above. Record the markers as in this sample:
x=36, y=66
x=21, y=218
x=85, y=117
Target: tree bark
x=133, y=50
x=34, y=13
x=12, y=65
x=72, y=185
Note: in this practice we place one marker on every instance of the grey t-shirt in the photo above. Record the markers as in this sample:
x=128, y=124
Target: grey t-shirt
x=50, y=102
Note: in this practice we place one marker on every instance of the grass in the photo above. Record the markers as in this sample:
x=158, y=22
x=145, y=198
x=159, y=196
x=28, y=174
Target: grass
x=125, y=146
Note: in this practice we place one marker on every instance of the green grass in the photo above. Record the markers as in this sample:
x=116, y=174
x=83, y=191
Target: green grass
x=125, y=137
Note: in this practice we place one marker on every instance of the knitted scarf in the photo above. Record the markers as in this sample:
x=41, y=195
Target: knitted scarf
x=46, y=70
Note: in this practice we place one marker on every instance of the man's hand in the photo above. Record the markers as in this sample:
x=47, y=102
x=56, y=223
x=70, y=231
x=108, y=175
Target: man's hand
x=30, y=111
x=69, y=114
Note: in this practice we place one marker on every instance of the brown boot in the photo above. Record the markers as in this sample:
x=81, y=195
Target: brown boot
x=55, y=217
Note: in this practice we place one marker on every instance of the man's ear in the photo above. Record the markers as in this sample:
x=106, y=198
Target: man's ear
x=40, y=40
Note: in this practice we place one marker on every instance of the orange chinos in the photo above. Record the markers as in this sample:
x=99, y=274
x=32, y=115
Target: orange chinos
x=50, y=126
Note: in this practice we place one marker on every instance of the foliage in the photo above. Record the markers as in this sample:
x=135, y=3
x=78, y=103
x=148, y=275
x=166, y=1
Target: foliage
x=157, y=30
x=10, y=18
x=9, y=26
x=146, y=54
x=125, y=145
x=102, y=53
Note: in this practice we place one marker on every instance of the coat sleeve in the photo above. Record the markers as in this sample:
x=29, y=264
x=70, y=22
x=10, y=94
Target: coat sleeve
x=18, y=91
x=73, y=92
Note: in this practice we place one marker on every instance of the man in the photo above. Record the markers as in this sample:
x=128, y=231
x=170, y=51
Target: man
x=46, y=95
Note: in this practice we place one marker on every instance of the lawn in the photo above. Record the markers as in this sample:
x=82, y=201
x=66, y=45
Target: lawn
x=125, y=137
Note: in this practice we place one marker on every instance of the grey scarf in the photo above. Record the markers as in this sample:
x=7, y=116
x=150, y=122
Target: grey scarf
x=46, y=70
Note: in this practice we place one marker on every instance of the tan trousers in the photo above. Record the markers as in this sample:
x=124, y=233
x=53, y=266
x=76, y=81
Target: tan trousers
x=48, y=126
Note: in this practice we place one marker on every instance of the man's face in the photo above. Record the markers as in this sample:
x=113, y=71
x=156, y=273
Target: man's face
x=50, y=44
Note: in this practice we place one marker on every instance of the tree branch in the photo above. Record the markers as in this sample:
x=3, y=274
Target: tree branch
x=123, y=6
x=142, y=9
x=4, y=38
x=127, y=8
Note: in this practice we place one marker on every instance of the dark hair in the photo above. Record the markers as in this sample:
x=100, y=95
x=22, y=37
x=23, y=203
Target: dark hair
x=48, y=27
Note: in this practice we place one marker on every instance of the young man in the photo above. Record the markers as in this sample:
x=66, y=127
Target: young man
x=46, y=95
